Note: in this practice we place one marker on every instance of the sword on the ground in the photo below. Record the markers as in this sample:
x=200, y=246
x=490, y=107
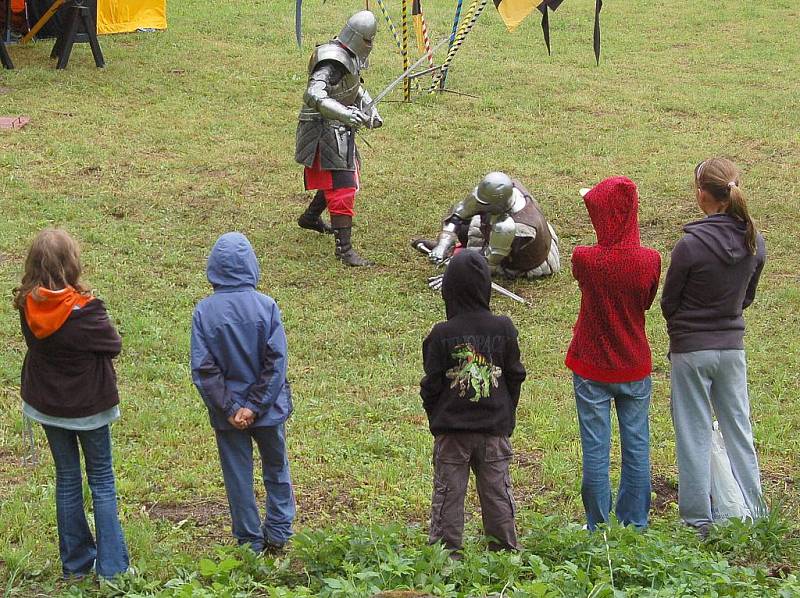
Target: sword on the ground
x=435, y=282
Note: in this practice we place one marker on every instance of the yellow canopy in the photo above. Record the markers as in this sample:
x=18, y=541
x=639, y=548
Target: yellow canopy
x=120, y=16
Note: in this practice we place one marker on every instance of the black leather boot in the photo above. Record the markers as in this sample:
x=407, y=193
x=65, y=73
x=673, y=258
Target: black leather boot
x=311, y=220
x=342, y=230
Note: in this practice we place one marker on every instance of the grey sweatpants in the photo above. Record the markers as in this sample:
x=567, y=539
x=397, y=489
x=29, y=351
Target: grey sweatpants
x=488, y=456
x=702, y=380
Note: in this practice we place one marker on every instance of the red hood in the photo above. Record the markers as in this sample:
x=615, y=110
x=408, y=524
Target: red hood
x=613, y=206
x=47, y=312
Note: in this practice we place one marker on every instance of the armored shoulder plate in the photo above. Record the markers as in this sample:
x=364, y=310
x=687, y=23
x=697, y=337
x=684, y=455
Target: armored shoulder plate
x=333, y=52
x=467, y=207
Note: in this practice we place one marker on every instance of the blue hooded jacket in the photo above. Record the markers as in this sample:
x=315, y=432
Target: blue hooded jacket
x=238, y=345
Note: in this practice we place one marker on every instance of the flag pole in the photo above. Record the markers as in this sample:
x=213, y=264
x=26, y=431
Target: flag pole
x=389, y=22
x=474, y=11
x=404, y=50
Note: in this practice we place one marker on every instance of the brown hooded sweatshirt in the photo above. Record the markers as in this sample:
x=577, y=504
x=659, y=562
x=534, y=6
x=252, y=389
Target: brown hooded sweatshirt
x=67, y=370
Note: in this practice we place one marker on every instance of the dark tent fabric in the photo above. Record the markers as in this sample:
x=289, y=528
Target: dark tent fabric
x=36, y=8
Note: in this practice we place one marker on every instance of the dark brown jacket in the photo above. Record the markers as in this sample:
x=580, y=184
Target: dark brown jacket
x=711, y=280
x=69, y=372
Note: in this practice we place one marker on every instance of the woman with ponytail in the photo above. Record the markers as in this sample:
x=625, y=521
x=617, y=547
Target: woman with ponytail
x=711, y=279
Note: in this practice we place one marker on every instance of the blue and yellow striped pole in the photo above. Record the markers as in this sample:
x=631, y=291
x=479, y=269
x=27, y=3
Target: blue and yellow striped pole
x=474, y=11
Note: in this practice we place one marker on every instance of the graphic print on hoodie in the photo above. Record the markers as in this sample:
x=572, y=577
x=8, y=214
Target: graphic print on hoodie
x=618, y=278
x=238, y=343
x=473, y=372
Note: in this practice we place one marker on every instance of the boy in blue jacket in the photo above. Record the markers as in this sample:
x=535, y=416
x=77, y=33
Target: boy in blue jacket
x=238, y=358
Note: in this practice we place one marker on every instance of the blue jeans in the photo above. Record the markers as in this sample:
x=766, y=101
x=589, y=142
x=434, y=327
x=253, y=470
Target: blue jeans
x=632, y=401
x=236, y=458
x=77, y=547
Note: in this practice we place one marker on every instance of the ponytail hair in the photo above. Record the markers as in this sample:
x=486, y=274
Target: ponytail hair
x=719, y=177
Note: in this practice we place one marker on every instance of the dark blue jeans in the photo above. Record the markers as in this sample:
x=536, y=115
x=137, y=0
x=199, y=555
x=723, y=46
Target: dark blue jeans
x=236, y=458
x=79, y=553
x=632, y=402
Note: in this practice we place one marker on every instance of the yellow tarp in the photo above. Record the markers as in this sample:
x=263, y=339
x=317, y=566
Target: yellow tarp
x=121, y=16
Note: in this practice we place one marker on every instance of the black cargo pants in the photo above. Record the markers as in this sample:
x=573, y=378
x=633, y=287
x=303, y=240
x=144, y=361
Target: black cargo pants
x=488, y=456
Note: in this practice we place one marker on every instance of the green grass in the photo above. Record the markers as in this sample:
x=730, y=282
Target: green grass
x=189, y=133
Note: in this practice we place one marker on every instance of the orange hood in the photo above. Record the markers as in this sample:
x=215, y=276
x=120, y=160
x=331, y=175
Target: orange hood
x=48, y=313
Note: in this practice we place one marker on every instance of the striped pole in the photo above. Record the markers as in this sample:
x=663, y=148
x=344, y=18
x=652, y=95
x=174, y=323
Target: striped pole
x=389, y=22
x=404, y=51
x=427, y=39
x=456, y=19
x=475, y=10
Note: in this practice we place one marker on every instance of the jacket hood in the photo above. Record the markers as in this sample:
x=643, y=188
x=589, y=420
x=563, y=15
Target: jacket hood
x=613, y=206
x=467, y=284
x=723, y=235
x=46, y=310
x=232, y=263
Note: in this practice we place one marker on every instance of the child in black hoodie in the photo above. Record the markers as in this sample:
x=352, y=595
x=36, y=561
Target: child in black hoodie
x=470, y=392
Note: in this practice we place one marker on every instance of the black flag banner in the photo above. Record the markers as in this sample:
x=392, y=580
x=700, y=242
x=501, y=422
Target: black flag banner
x=597, y=8
x=552, y=5
x=513, y=12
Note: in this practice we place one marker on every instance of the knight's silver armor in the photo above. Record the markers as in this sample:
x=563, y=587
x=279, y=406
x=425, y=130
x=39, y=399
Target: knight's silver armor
x=335, y=102
x=506, y=224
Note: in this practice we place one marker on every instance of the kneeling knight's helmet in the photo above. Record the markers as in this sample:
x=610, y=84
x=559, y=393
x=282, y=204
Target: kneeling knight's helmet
x=495, y=191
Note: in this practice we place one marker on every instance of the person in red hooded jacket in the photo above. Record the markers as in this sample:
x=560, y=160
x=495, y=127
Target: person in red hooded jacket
x=609, y=354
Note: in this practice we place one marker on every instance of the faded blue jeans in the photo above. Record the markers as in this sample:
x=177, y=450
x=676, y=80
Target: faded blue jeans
x=632, y=401
x=705, y=384
x=79, y=553
x=236, y=458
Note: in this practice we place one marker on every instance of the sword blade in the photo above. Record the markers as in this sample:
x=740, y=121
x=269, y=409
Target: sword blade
x=399, y=79
x=495, y=287
x=504, y=291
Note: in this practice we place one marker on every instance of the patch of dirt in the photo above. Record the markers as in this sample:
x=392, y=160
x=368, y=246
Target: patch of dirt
x=417, y=419
x=530, y=484
x=319, y=503
x=666, y=493
x=201, y=513
x=12, y=472
x=528, y=459
x=5, y=90
x=90, y=170
x=778, y=482
x=779, y=570
x=117, y=212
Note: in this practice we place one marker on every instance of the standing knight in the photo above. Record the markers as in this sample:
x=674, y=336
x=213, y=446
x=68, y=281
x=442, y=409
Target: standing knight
x=335, y=105
x=501, y=219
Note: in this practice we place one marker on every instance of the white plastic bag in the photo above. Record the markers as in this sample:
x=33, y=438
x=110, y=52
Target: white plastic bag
x=727, y=500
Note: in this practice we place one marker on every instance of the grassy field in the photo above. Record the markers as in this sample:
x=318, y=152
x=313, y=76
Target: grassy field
x=189, y=133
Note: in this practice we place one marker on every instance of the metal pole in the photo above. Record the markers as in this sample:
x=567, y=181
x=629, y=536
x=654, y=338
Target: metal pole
x=404, y=51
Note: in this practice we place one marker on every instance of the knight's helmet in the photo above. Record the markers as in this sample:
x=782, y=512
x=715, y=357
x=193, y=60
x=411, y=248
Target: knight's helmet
x=495, y=192
x=357, y=35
